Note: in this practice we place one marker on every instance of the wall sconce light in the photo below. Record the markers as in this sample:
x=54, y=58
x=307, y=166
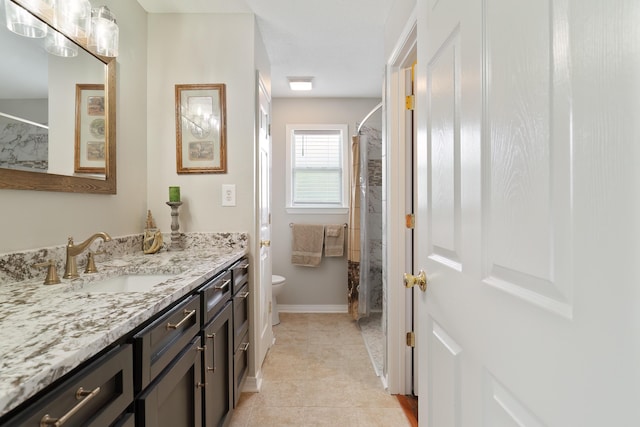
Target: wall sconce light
x=24, y=23
x=104, y=32
x=57, y=44
x=74, y=19
x=300, y=83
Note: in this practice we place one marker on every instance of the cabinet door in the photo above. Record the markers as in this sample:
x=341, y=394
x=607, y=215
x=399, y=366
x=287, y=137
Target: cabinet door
x=94, y=396
x=218, y=369
x=240, y=315
x=175, y=397
x=240, y=367
x=159, y=343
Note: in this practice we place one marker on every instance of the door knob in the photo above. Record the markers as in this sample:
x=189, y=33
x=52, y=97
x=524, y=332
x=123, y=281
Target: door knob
x=421, y=280
x=265, y=243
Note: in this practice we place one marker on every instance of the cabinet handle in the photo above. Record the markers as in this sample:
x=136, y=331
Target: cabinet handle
x=244, y=294
x=245, y=265
x=201, y=385
x=83, y=396
x=213, y=338
x=203, y=348
x=224, y=285
x=244, y=346
x=187, y=314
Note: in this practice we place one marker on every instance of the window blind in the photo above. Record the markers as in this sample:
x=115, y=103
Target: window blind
x=317, y=167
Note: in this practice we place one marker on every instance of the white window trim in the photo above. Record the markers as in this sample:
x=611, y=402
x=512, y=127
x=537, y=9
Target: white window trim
x=346, y=155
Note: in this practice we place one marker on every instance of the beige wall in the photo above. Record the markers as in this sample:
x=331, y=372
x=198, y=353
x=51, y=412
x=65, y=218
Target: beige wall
x=33, y=219
x=326, y=285
x=190, y=49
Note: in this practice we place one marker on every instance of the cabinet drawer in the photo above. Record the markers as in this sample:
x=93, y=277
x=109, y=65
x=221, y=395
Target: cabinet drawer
x=95, y=396
x=175, y=397
x=157, y=344
x=214, y=295
x=240, y=274
x=240, y=315
x=217, y=369
x=240, y=367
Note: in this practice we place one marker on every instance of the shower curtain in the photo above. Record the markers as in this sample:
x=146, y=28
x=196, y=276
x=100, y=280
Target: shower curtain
x=353, y=282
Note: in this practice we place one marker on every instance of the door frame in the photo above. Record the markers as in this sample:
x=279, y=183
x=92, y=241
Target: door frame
x=396, y=366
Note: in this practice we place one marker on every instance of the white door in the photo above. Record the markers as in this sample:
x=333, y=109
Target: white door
x=265, y=336
x=528, y=199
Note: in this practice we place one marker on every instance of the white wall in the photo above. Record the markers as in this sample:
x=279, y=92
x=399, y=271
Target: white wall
x=190, y=49
x=308, y=286
x=32, y=219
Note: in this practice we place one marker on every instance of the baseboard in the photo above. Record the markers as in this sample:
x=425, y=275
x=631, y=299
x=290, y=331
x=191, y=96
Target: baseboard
x=323, y=308
x=253, y=384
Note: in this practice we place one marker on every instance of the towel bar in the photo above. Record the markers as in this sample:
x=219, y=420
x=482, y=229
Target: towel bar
x=345, y=225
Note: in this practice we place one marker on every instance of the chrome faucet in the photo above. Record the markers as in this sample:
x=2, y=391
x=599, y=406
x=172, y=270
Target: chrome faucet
x=71, y=267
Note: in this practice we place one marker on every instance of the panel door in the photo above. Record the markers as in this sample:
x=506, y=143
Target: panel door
x=263, y=296
x=527, y=212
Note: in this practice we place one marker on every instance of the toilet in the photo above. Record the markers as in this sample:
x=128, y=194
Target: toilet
x=277, y=285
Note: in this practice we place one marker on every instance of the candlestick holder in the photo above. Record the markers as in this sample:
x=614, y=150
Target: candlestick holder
x=176, y=243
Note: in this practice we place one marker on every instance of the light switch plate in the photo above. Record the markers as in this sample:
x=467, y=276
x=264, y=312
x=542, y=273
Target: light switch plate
x=228, y=195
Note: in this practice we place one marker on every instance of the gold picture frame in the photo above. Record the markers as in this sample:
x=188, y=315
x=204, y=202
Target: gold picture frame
x=201, y=128
x=90, y=143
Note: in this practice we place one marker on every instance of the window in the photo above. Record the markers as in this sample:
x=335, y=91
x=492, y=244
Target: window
x=317, y=172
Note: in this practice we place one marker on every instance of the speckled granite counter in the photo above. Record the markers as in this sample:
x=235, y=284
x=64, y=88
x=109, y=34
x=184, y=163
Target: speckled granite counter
x=46, y=331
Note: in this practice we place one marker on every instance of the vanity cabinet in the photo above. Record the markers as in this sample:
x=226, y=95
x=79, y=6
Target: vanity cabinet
x=97, y=395
x=218, y=368
x=174, y=398
x=159, y=343
x=240, y=279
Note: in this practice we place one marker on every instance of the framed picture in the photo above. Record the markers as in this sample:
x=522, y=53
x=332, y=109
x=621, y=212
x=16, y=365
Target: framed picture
x=90, y=142
x=201, y=128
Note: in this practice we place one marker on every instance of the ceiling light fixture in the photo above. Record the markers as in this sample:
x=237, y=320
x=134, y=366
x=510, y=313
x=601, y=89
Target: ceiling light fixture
x=300, y=83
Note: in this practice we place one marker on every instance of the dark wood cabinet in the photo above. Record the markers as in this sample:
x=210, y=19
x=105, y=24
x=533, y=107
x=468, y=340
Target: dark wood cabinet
x=174, y=398
x=218, y=369
x=159, y=343
x=241, y=294
x=97, y=395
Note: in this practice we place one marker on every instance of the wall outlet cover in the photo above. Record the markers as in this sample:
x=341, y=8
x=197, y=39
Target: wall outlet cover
x=228, y=195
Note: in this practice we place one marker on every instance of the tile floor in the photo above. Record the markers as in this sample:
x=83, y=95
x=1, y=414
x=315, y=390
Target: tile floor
x=318, y=373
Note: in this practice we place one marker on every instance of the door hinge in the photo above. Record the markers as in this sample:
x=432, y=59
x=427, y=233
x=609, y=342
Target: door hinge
x=410, y=102
x=410, y=220
x=411, y=339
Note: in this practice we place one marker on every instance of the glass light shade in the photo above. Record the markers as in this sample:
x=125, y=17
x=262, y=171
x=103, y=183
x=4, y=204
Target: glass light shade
x=22, y=22
x=73, y=17
x=58, y=44
x=104, y=32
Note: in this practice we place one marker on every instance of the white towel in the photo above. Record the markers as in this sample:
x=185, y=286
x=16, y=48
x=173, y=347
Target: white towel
x=334, y=240
x=306, y=244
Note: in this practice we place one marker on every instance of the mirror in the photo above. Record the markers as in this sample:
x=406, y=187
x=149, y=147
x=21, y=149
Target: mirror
x=57, y=116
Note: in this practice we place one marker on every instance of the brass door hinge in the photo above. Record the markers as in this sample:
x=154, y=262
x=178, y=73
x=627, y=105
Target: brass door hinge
x=410, y=102
x=411, y=339
x=410, y=220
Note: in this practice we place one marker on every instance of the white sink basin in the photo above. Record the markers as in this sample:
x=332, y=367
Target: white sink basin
x=126, y=283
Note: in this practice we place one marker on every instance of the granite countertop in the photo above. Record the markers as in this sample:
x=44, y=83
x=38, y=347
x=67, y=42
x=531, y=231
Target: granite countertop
x=46, y=331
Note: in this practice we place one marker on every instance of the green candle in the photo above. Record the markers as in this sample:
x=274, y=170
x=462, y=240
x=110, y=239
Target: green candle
x=174, y=194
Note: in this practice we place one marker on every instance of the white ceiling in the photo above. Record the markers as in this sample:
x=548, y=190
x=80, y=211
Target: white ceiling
x=340, y=43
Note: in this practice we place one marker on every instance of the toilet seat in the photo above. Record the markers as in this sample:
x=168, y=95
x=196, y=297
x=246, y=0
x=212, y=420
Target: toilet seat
x=276, y=280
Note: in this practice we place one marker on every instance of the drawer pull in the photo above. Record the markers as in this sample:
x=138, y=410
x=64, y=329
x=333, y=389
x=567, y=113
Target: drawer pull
x=211, y=369
x=187, y=314
x=83, y=396
x=244, y=346
x=203, y=348
x=243, y=294
x=245, y=265
x=223, y=285
x=201, y=385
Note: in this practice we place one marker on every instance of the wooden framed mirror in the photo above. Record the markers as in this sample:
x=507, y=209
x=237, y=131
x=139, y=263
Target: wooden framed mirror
x=62, y=77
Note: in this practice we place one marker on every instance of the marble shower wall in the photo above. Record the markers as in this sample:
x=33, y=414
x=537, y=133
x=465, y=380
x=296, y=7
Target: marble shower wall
x=374, y=212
